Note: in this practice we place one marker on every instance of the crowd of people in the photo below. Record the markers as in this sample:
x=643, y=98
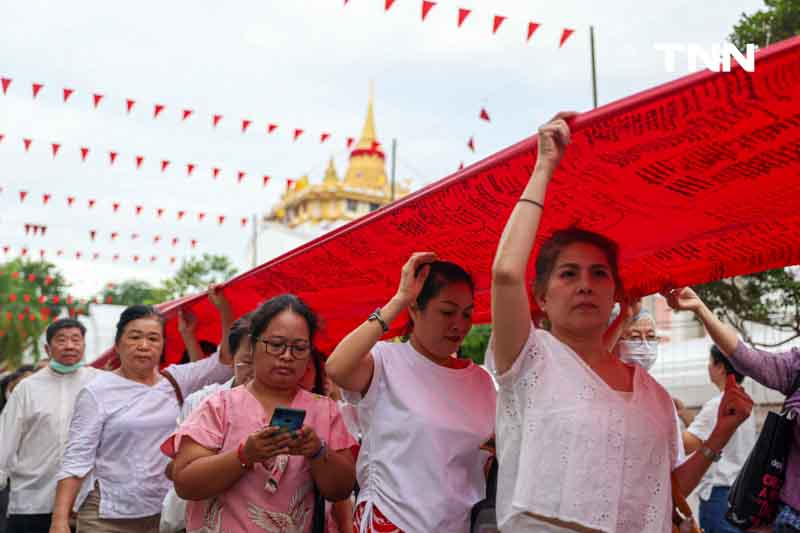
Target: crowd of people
x=386, y=436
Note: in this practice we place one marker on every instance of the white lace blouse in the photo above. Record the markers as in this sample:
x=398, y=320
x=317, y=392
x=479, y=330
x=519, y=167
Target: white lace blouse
x=573, y=449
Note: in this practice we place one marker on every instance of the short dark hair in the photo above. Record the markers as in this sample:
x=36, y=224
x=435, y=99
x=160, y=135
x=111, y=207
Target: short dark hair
x=555, y=244
x=135, y=312
x=262, y=316
x=719, y=357
x=318, y=360
x=239, y=330
x=440, y=275
x=63, y=323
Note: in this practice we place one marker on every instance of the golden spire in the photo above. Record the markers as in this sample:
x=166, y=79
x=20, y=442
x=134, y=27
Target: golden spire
x=368, y=134
x=331, y=178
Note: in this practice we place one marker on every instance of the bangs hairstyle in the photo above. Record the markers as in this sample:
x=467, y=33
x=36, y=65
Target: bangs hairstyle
x=260, y=318
x=558, y=241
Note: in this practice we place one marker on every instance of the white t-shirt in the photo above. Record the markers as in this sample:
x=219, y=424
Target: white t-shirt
x=423, y=424
x=722, y=473
x=573, y=449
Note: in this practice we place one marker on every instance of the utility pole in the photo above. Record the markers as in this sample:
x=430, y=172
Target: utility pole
x=394, y=165
x=255, y=241
x=594, y=68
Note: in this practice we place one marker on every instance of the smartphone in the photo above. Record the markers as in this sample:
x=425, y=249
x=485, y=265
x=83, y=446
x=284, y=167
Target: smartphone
x=288, y=419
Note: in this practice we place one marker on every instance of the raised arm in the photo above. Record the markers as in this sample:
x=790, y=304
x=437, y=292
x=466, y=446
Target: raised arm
x=187, y=323
x=351, y=364
x=624, y=319
x=511, y=321
x=723, y=335
x=217, y=297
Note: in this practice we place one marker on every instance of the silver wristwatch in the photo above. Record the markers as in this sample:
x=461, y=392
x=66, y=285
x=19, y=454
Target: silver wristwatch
x=710, y=454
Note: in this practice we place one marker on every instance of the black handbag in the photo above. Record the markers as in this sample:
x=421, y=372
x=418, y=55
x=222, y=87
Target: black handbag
x=754, y=496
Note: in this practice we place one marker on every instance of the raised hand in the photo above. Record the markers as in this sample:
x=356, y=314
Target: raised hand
x=413, y=276
x=683, y=299
x=217, y=297
x=735, y=406
x=554, y=137
x=187, y=322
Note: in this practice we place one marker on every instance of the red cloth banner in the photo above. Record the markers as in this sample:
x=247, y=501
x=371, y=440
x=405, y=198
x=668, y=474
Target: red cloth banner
x=695, y=179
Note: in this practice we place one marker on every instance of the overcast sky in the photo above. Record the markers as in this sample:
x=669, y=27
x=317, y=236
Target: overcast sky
x=303, y=64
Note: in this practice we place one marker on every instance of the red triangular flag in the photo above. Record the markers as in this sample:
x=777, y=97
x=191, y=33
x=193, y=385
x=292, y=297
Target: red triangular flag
x=112, y=156
x=78, y=255
x=220, y=219
x=41, y=253
x=350, y=142
x=157, y=109
x=181, y=214
x=33, y=227
x=70, y=200
x=60, y=253
x=159, y=212
x=91, y=203
x=484, y=115
x=114, y=235
x=324, y=137
x=471, y=144
x=564, y=36
x=388, y=5
x=43, y=230
x=84, y=153
x=156, y=239
x=92, y=233
x=36, y=88
x=215, y=172
x=265, y=179
x=129, y=104
x=22, y=195
x=189, y=168
x=498, y=20
x=174, y=241
x=115, y=206
x=138, y=210
x=201, y=216
x=45, y=198
x=240, y=176
x=245, y=124
x=271, y=128
x=289, y=183
x=244, y=221
x=2, y=136
x=95, y=256
x=462, y=15
x=297, y=133
x=164, y=164
x=96, y=99
x=24, y=251
x=27, y=143
x=216, y=120
x=67, y=94
x=187, y=113
x=194, y=242
x=55, y=147
x=532, y=27
x=135, y=258
x=153, y=259
x=426, y=7
x=27, y=228
x=5, y=82
x=139, y=160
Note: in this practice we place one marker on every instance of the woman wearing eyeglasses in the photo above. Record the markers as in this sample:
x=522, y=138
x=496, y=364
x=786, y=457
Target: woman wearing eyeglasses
x=239, y=473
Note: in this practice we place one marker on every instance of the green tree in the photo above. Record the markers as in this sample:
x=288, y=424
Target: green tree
x=476, y=342
x=196, y=274
x=31, y=294
x=780, y=20
x=769, y=298
x=132, y=292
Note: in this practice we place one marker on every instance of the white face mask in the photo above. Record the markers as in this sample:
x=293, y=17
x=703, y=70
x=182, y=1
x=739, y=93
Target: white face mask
x=642, y=353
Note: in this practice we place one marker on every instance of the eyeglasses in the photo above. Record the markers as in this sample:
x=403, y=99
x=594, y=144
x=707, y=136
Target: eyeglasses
x=298, y=350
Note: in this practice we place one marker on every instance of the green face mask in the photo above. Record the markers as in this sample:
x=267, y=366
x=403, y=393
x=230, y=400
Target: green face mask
x=65, y=369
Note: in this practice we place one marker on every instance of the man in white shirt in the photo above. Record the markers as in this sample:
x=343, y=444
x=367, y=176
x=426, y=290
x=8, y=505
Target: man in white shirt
x=715, y=485
x=35, y=424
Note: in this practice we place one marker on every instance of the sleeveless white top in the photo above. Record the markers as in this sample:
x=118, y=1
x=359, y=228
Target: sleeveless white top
x=423, y=424
x=573, y=449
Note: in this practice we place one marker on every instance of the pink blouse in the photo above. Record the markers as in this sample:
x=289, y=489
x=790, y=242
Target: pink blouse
x=274, y=497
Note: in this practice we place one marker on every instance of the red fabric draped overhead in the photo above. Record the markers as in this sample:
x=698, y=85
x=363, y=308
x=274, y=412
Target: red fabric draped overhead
x=697, y=180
